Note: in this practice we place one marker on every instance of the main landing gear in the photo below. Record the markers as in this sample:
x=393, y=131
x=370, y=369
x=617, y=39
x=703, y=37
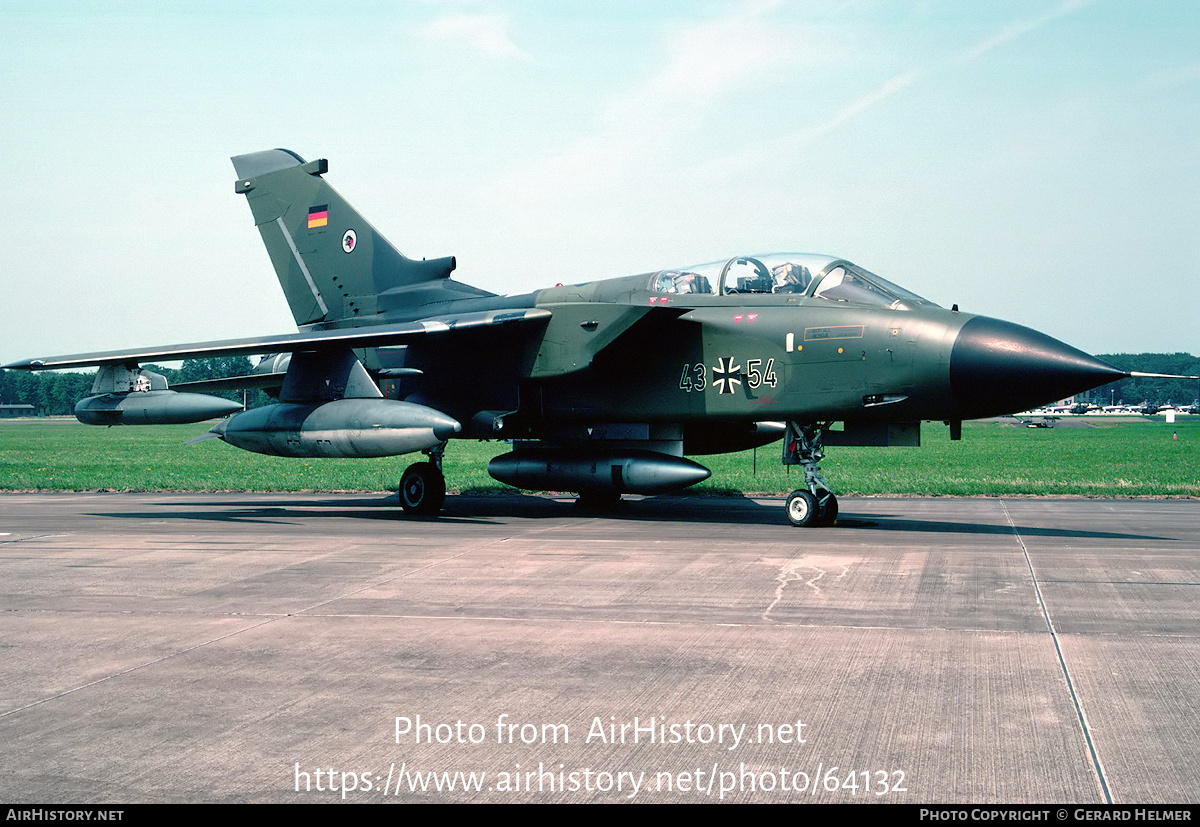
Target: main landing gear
x=815, y=504
x=423, y=486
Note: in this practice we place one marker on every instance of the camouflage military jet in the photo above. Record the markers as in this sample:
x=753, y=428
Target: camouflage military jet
x=604, y=388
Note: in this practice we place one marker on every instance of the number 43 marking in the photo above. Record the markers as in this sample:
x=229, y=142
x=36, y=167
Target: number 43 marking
x=693, y=378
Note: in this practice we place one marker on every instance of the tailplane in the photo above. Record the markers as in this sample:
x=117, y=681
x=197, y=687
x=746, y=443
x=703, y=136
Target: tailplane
x=334, y=267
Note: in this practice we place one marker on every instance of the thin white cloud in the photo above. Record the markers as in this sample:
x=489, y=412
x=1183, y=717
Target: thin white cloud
x=1021, y=27
x=862, y=104
x=789, y=145
x=1172, y=78
x=706, y=62
x=486, y=34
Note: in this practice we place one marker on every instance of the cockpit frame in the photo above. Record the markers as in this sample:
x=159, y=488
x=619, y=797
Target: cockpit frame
x=806, y=275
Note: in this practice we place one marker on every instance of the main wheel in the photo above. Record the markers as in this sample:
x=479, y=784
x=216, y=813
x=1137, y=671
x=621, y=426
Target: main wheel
x=828, y=510
x=802, y=508
x=422, y=489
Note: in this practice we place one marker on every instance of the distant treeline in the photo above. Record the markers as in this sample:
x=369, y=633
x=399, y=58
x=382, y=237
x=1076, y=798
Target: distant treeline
x=53, y=393
x=1160, y=391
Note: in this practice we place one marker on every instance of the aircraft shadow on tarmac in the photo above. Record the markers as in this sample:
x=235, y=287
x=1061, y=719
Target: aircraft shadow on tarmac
x=490, y=509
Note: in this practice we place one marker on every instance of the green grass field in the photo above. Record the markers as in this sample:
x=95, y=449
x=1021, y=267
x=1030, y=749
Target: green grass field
x=1113, y=459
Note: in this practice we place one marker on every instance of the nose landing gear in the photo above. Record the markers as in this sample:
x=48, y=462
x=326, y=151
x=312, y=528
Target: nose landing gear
x=815, y=504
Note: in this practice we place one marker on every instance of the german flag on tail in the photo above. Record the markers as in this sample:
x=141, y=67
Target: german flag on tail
x=318, y=216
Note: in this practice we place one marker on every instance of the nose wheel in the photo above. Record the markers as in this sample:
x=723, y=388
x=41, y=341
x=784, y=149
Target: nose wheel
x=814, y=505
x=828, y=509
x=807, y=509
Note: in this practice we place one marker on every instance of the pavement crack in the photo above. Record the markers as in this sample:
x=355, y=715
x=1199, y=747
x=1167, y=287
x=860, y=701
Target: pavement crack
x=273, y=619
x=31, y=537
x=790, y=572
x=66, y=692
x=1062, y=663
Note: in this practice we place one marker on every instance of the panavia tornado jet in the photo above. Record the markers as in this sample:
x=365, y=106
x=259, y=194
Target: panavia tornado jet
x=603, y=388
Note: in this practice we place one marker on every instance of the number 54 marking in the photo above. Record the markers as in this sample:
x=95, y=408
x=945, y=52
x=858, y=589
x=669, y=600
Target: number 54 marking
x=754, y=378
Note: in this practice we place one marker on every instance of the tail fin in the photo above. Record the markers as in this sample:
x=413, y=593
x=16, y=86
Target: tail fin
x=332, y=264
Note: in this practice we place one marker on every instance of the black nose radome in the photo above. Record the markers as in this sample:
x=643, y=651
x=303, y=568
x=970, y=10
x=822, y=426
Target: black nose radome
x=997, y=367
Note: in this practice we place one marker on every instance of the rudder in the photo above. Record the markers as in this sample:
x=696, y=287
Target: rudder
x=334, y=267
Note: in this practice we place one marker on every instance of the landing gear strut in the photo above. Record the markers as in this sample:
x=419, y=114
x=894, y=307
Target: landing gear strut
x=815, y=504
x=423, y=486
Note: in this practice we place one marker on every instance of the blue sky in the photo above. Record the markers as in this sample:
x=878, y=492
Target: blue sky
x=1033, y=161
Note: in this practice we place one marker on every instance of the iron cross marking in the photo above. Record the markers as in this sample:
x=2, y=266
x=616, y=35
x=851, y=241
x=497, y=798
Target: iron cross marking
x=726, y=374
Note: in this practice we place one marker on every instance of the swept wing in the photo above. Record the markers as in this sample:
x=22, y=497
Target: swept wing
x=375, y=336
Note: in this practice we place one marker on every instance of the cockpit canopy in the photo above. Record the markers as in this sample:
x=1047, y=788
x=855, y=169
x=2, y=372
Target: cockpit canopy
x=807, y=274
